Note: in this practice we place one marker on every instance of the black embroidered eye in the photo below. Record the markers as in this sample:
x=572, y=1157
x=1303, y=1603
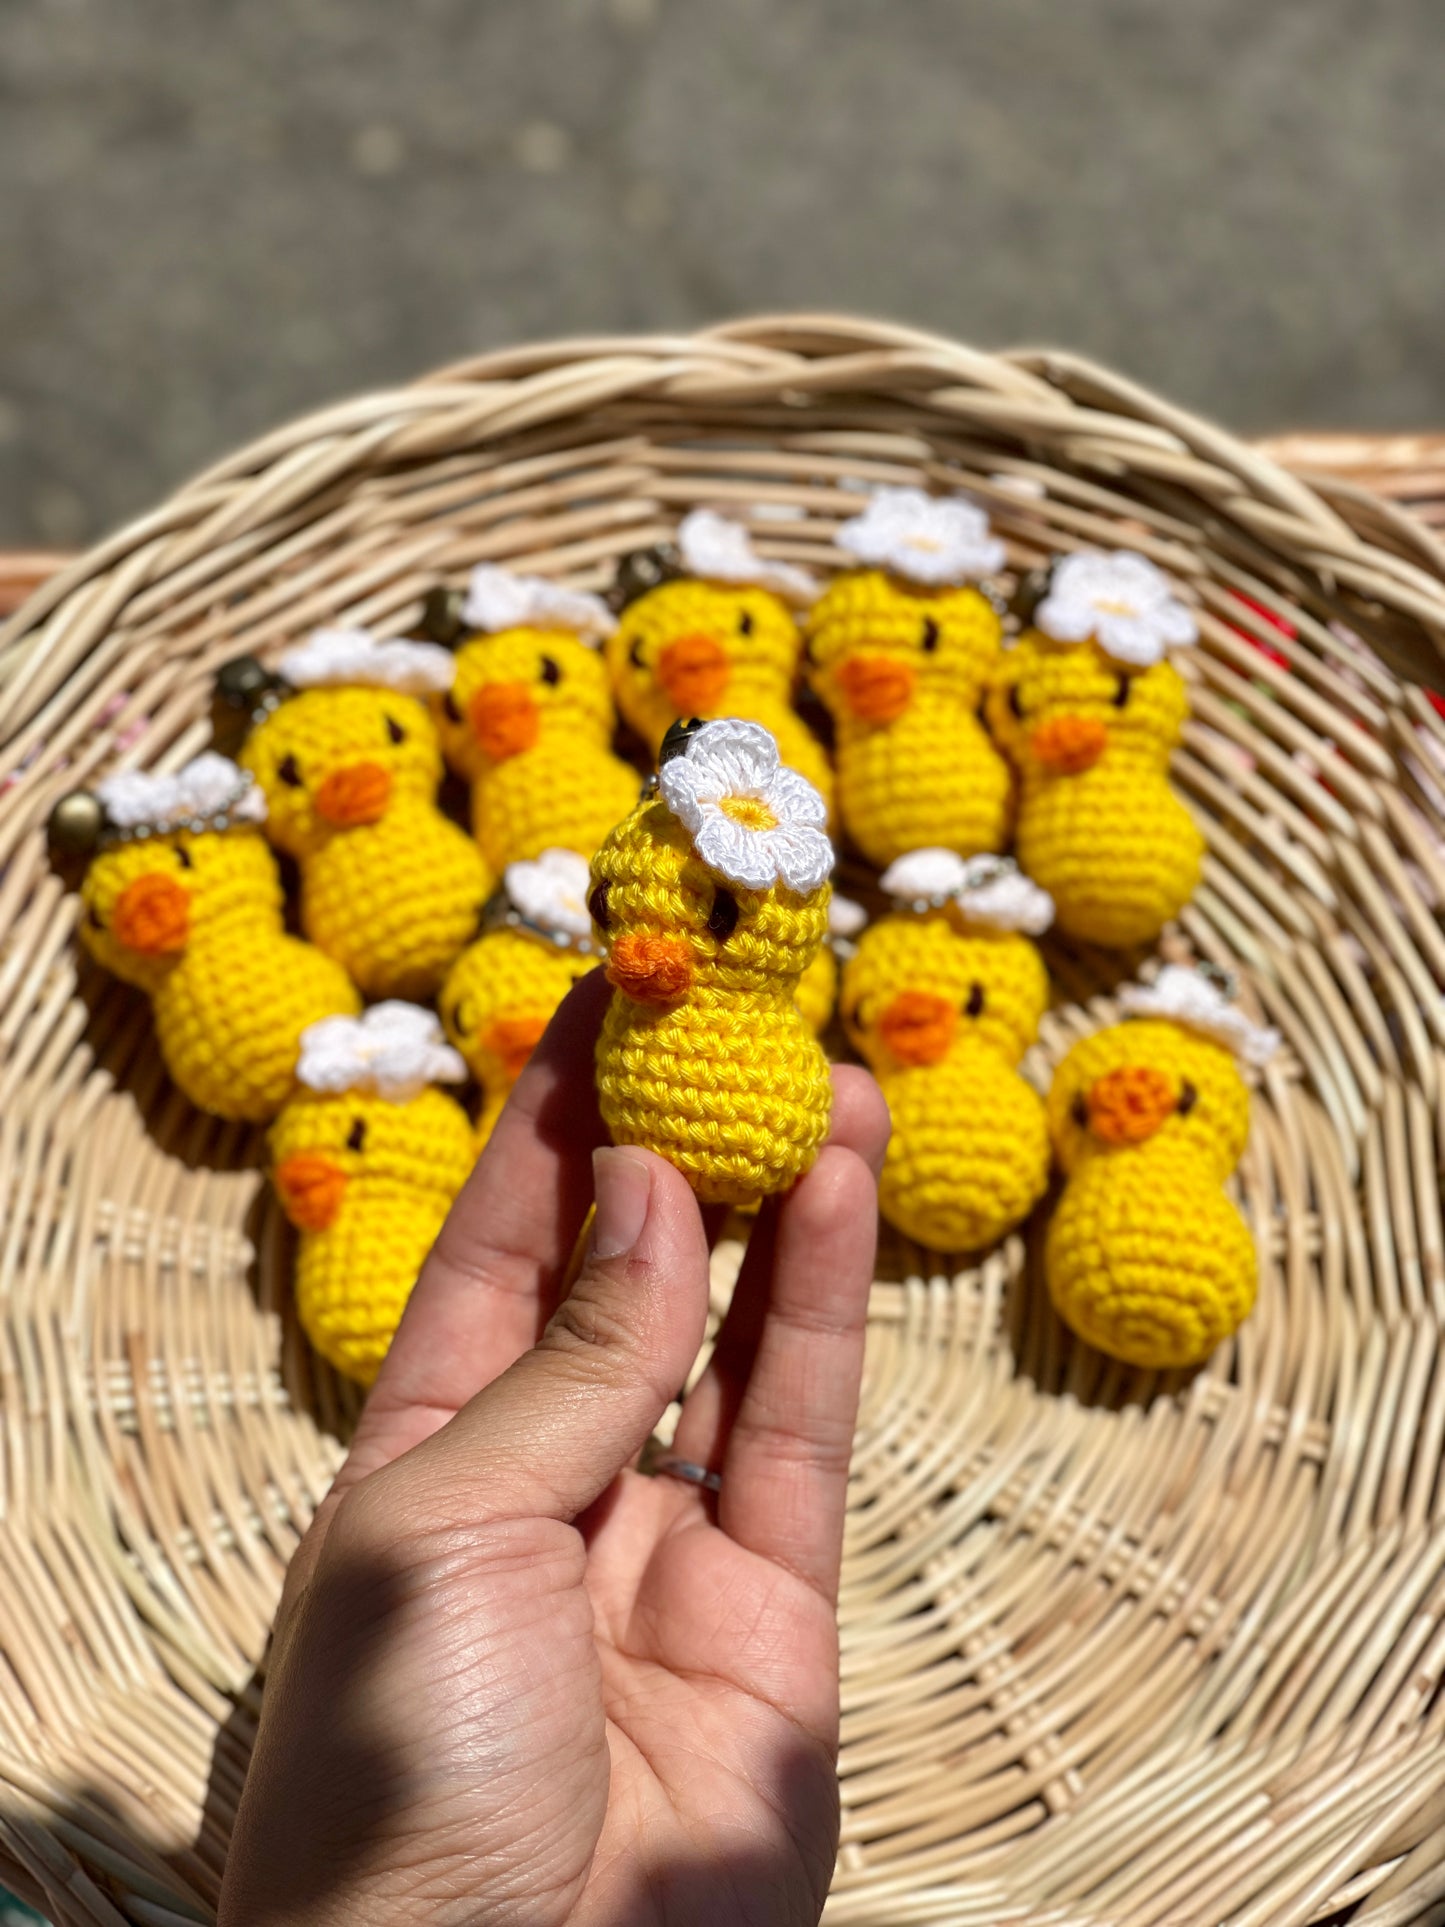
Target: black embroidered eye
x=450, y=709
x=461, y=1017
x=974, y=1006
x=930, y=636
x=356, y=1136
x=289, y=772
x=1079, y=1111
x=722, y=919
x=1015, y=702
x=745, y=624
x=183, y=857
x=1121, y=694
x=857, y=1017
x=551, y=674
x=597, y=904
x=92, y=917
x=1188, y=1097
x=634, y=654
x=395, y=731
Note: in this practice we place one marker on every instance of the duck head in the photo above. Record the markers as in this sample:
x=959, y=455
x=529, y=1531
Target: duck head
x=516, y=686
x=917, y=987
x=500, y=996
x=1058, y=708
x=325, y=1146
x=878, y=645
x=695, y=648
x=1144, y=1082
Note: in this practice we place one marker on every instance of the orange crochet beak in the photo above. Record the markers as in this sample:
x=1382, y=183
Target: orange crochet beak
x=694, y=671
x=876, y=688
x=512, y=1039
x=1128, y=1105
x=311, y=1188
x=1068, y=745
x=354, y=794
x=153, y=915
x=918, y=1027
x=654, y=970
x=504, y=718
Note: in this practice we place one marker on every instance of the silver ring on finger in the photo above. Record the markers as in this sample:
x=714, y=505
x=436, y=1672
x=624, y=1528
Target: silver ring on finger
x=689, y=1473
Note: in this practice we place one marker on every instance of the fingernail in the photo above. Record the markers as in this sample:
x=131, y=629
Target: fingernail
x=623, y=1185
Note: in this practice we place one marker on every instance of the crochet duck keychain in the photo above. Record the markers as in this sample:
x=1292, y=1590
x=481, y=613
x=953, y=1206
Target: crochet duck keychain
x=1147, y=1258
x=942, y=999
x=900, y=650
x=1088, y=707
x=706, y=629
x=501, y=993
x=529, y=719
x=713, y=899
x=366, y=1159
x=181, y=897
x=346, y=754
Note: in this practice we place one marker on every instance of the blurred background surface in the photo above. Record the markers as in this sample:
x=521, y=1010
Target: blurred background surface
x=215, y=216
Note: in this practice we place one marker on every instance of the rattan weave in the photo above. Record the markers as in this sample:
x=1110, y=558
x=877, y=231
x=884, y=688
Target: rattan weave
x=1116, y=1649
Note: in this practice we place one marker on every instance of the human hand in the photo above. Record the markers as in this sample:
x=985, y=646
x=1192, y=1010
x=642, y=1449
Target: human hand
x=514, y=1681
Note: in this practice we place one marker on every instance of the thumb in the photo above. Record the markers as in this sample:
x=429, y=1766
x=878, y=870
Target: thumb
x=552, y=1433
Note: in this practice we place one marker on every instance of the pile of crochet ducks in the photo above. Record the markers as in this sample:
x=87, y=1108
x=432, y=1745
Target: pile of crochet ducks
x=654, y=784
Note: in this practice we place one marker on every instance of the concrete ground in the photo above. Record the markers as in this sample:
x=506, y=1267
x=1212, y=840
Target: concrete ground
x=215, y=215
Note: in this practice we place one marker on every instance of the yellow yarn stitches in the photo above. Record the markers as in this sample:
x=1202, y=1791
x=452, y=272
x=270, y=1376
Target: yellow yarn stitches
x=194, y=918
x=942, y=1018
x=498, y=998
x=1098, y=825
x=529, y=723
x=902, y=670
x=368, y=1183
x=695, y=648
x=703, y=1056
x=1146, y=1257
x=389, y=887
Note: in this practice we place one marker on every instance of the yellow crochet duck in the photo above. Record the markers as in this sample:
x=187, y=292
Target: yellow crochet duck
x=706, y=631
x=529, y=719
x=502, y=991
x=713, y=899
x=1147, y=1258
x=367, y=1158
x=181, y=897
x=818, y=987
x=942, y=1000
x=1088, y=708
x=900, y=651
x=346, y=754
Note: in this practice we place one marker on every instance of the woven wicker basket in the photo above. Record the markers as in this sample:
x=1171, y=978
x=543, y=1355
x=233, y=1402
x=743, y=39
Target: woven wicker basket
x=1115, y=1649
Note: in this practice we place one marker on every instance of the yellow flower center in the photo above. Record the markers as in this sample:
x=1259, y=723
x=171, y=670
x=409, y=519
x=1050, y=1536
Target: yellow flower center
x=1111, y=606
x=749, y=811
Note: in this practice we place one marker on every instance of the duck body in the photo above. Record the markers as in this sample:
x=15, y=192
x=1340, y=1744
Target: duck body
x=902, y=670
x=942, y=1015
x=703, y=1056
x=1147, y=1258
x=195, y=919
x=368, y=1183
x=711, y=649
x=389, y=887
x=528, y=722
x=1099, y=826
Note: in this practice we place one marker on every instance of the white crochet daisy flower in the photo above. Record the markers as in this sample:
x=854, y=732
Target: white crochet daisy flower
x=330, y=657
x=937, y=540
x=1122, y=601
x=989, y=891
x=551, y=891
x=845, y=917
x=393, y=1049
x=751, y=819
x=719, y=550
x=210, y=786
x=501, y=599
x=1189, y=998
